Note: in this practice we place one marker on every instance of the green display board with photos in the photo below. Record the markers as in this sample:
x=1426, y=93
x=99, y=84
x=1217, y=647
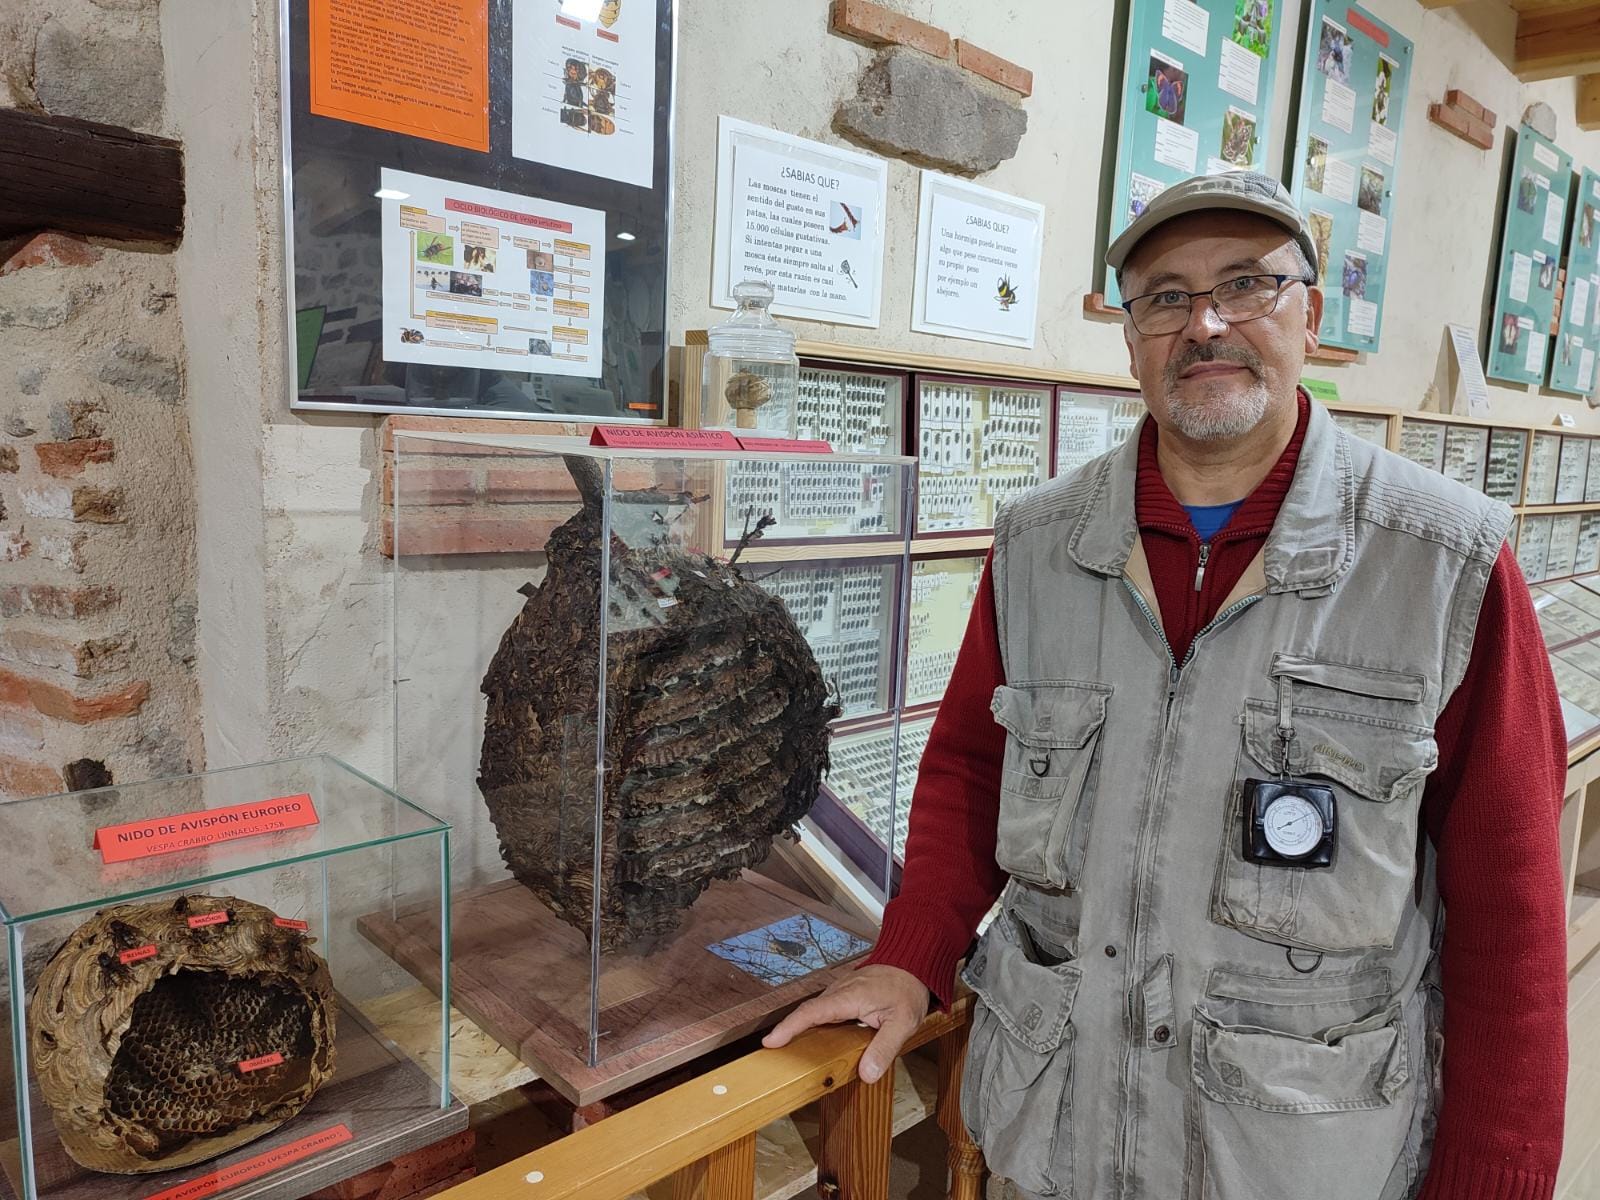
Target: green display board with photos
x=1353, y=87
x=1578, y=337
x=1196, y=98
x=1530, y=248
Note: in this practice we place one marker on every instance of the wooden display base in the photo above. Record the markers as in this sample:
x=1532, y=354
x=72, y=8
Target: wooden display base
x=522, y=974
x=385, y=1100
x=1094, y=305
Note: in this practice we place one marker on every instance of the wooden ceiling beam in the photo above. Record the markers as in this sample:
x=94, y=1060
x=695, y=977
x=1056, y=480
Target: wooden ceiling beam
x=90, y=179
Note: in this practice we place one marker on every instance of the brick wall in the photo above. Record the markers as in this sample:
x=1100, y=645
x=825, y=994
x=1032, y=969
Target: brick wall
x=97, y=591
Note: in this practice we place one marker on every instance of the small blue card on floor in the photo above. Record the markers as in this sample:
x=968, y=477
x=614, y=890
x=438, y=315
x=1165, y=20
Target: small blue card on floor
x=789, y=949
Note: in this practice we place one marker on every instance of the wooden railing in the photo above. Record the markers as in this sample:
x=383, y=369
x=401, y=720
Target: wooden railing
x=702, y=1134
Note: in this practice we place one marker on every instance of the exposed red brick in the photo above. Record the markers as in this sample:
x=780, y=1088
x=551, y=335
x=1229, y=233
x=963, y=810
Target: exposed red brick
x=8, y=460
x=994, y=68
x=64, y=705
x=51, y=250
x=429, y=485
x=525, y=485
x=1480, y=133
x=48, y=600
x=13, y=545
x=83, y=657
x=102, y=506
x=20, y=778
x=1453, y=119
x=1456, y=98
x=451, y=533
x=65, y=459
x=883, y=27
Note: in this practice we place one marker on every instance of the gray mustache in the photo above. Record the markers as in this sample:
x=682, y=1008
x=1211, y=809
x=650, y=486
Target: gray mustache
x=1248, y=359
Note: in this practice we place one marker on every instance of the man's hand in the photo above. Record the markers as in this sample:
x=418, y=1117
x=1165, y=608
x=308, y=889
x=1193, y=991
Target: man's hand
x=884, y=998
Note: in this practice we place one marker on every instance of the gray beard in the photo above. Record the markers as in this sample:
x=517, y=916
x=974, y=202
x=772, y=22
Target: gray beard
x=1221, y=417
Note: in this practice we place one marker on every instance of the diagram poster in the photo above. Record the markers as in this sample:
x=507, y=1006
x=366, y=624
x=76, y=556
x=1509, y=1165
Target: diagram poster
x=583, y=86
x=1352, y=110
x=1578, y=337
x=1196, y=98
x=479, y=278
x=806, y=216
x=978, y=255
x=419, y=69
x=1530, y=248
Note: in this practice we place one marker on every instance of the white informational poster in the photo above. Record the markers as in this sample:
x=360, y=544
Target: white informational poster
x=978, y=263
x=806, y=217
x=583, y=87
x=1186, y=23
x=1240, y=72
x=1177, y=146
x=479, y=278
x=1474, y=389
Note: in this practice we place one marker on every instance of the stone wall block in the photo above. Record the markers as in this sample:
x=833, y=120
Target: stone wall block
x=67, y=459
x=52, y=249
x=101, y=70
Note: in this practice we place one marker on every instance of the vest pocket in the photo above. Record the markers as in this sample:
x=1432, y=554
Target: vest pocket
x=1051, y=761
x=1016, y=1094
x=1313, y=1117
x=1377, y=767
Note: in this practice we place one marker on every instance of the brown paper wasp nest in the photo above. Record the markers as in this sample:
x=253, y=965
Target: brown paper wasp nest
x=155, y=1029
x=716, y=722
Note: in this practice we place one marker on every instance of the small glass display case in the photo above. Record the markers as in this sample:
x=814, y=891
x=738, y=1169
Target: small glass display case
x=1369, y=427
x=1507, y=450
x=201, y=998
x=1572, y=470
x=624, y=718
x=1466, y=451
x=750, y=371
x=1088, y=424
x=942, y=591
x=1422, y=442
x=1544, y=463
x=856, y=410
x=1533, y=546
x=980, y=442
x=868, y=791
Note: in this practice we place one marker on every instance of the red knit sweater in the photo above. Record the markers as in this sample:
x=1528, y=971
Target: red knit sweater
x=1492, y=809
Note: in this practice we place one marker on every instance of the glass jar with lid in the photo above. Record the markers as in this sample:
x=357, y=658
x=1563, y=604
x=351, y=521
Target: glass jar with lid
x=751, y=377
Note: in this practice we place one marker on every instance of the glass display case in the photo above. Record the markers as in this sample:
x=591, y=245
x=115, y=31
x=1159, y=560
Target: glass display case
x=1368, y=427
x=624, y=718
x=942, y=591
x=1588, y=555
x=1466, y=452
x=1533, y=545
x=1572, y=470
x=1503, y=479
x=1591, y=489
x=868, y=791
x=1544, y=463
x=1423, y=443
x=980, y=442
x=1089, y=423
x=856, y=410
x=201, y=998
x=1562, y=557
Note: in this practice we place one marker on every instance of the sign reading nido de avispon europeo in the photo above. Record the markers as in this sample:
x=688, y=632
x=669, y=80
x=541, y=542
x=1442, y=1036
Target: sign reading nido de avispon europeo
x=186, y=831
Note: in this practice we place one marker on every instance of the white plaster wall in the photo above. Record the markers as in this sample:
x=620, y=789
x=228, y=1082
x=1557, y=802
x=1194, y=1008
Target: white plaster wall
x=295, y=628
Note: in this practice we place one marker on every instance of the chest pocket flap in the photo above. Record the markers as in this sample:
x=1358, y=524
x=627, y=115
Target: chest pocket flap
x=1051, y=716
x=1379, y=759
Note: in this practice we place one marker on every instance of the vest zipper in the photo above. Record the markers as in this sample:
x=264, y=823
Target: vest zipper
x=1174, y=674
x=1200, y=571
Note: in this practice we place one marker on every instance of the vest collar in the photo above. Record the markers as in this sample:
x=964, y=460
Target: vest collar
x=1312, y=542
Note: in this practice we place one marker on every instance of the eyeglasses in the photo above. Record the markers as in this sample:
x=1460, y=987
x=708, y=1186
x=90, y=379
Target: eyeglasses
x=1246, y=298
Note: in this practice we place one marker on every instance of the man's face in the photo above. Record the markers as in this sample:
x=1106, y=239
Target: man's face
x=1212, y=381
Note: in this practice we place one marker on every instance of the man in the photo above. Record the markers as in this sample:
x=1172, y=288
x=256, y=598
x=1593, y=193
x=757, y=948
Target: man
x=1267, y=701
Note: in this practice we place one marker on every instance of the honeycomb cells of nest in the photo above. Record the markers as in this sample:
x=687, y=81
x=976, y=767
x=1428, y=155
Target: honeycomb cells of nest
x=177, y=1069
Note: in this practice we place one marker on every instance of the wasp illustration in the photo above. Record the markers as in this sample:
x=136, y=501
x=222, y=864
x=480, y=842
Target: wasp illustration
x=411, y=337
x=1006, y=294
x=433, y=248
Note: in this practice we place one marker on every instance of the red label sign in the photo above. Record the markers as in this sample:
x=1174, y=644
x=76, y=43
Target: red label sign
x=163, y=835
x=784, y=446
x=1358, y=21
x=200, y=922
x=654, y=437
x=139, y=955
x=261, y=1164
x=289, y=923
x=260, y=1064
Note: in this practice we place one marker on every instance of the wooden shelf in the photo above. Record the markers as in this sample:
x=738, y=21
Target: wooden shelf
x=945, y=365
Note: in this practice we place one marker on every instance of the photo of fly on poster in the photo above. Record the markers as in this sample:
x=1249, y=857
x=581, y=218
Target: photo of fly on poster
x=1196, y=98
x=1578, y=337
x=1353, y=88
x=1530, y=251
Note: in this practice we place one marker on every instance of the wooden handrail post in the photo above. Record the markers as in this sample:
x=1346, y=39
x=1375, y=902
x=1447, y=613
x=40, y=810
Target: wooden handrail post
x=964, y=1156
x=727, y=1173
x=857, y=1125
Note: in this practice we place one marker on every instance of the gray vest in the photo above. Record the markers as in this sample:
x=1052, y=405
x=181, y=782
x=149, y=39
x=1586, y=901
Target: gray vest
x=1160, y=1017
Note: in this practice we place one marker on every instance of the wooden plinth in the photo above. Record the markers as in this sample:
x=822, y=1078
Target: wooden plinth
x=522, y=974
x=385, y=1100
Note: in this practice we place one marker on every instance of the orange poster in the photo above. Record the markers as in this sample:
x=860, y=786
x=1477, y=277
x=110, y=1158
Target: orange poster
x=418, y=67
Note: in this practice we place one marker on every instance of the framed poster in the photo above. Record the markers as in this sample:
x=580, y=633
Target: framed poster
x=1353, y=87
x=1196, y=98
x=1578, y=336
x=483, y=228
x=1530, y=247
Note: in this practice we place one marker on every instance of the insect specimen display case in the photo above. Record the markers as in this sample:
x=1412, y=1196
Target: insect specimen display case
x=195, y=1006
x=618, y=674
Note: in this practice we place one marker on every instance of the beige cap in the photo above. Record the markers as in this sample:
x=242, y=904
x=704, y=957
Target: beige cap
x=1241, y=191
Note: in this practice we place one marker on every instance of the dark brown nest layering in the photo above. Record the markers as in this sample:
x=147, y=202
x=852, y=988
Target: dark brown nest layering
x=716, y=722
x=156, y=1030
